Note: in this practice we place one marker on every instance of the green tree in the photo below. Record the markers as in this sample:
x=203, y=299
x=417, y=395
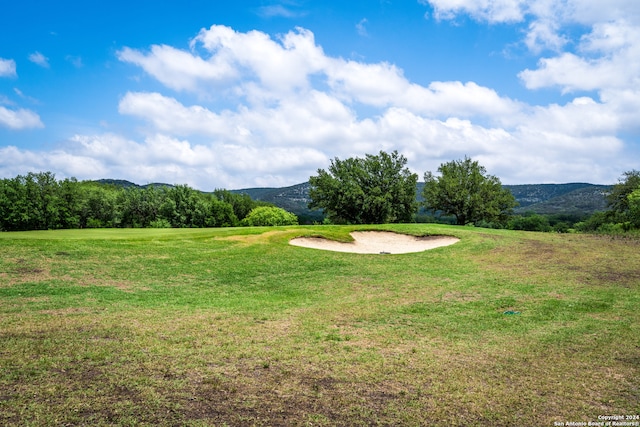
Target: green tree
x=30, y=202
x=183, y=207
x=242, y=204
x=47, y=199
x=633, y=199
x=13, y=215
x=269, y=216
x=371, y=190
x=99, y=207
x=618, y=199
x=137, y=208
x=70, y=203
x=36, y=202
x=466, y=191
x=220, y=214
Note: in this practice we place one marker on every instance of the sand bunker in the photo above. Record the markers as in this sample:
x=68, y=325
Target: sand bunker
x=377, y=242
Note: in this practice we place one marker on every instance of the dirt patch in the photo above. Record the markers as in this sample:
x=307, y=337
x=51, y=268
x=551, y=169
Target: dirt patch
x=377, y=242
x=253, y=238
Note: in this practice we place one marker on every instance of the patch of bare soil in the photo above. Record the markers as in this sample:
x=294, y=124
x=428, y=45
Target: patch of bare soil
x=377, y=242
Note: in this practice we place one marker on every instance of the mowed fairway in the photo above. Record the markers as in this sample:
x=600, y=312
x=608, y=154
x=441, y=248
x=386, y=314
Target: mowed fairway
x=237, y=327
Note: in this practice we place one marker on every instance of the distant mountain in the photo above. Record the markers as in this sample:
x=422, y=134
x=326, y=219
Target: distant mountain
x=293, y=199
x=532, y=194
x=572, y=198
x=128, y=184
x=579, y=199
x=117, y=183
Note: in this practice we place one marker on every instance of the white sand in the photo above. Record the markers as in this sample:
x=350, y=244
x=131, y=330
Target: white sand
x=376, y=242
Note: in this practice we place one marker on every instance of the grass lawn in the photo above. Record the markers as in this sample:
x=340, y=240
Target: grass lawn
x=236, y=327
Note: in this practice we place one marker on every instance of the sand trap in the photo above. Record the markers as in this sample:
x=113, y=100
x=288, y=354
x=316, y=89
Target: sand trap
x=376, y=242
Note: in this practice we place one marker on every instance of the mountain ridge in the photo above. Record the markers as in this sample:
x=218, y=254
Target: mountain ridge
x=577, y=198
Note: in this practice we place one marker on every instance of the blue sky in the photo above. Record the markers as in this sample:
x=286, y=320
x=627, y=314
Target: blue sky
x=263, y=93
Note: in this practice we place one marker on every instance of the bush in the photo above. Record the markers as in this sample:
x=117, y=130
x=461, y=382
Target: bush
x=160, y=223
x=593, y=223
x=269, y=216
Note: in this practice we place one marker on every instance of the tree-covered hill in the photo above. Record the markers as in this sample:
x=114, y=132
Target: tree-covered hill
x=128, y=184
x=582, y=199
x=293, y=199
x=573, y=198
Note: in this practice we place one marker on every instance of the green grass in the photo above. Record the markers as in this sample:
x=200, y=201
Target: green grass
x=236, y=327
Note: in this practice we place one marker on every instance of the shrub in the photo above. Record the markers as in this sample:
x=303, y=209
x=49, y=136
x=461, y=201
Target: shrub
x=269, y=216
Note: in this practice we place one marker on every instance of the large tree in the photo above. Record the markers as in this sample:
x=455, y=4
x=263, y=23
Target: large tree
x=371, y=190
x=634, y=208
x=466, y=191
x=618, y=199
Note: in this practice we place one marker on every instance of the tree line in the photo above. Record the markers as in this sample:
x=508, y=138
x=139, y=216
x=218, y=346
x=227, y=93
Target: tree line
x=38, y=201
x=623, y=214
x=379, y=189
x=375, y=189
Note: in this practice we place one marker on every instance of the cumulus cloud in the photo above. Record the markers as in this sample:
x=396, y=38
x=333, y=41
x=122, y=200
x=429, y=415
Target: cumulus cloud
x=19, y=119
x=39, y=59
x=608, y=57
x=263, y=70
x=282, y=64
x=176, y=68
x=7, y=68
x=244, y=109
x=293, y=100
x=543, y=34
x=545, y=20
x=168, y=115
x=163, y=158
x=590, y=49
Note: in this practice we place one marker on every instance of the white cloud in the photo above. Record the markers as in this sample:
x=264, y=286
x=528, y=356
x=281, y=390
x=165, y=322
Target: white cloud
x=608, y=57
x=28, y=98
x=160, y=158
x=589, y=12
x=15, y=161
x=543, y=34
x=19, y=119
x=7, y=68
x=570, y=72
x=263, y=71
x=493, y=11
x=464, y=100
x=584, y=12
x=279, y=10
x=168, y=115
x=270, y=111
x=176, y=68
x=293, y=100
x=76, y=61
x=286, y=145
x=39, y=59
x=361, y=27
x=545, y=20
x=284, y=64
